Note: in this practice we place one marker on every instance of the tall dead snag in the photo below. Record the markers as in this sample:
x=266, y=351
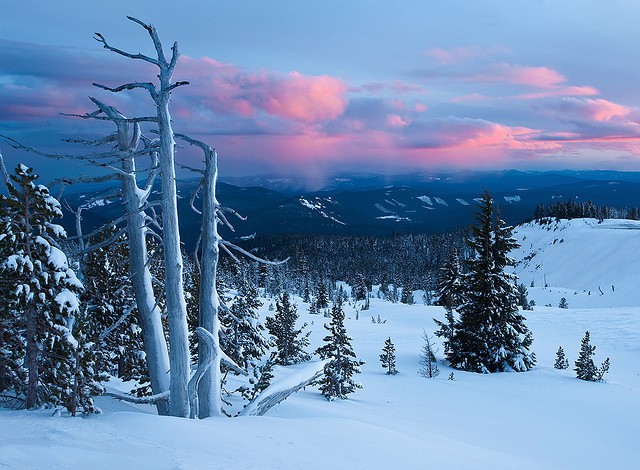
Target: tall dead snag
x=175, y=301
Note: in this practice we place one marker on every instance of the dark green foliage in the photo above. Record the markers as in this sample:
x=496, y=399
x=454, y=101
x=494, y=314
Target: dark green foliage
x=388, y=357
x=359, y=290
x=585, y=368
x=561, y=360
x=523, y=301
x=111, y=318
x=288, y=340
x=563, y=303
x=427, y=359
x=449, y=290
x=490, y=335
x=337, y=381
x=243, y=340
x=322, y=296
x=407, y=294
x=42, y=304
x=262, y=376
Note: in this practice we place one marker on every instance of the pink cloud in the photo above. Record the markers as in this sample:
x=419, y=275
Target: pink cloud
x=539, y=77
x=419, y=107
x=596, y=109
x=461, y=54
x=396, y=86
x=227, y=89
x=395, y=120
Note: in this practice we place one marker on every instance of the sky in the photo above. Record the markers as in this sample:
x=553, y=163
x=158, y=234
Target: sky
x=329, y=87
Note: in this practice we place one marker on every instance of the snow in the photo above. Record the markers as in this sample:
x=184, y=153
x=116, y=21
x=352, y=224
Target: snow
x=511, y=199
x=397, y=218
x=462, y=201
x=320, y=208
x=544, y=418
x=426, y=200
x=440, y=201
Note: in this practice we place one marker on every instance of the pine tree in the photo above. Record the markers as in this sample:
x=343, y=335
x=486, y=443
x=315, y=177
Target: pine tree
x=428, y=358
x=43, y=289
x=561, y=360
x=388, y=357
x=244, y=341
x=337, y=381
x=523, y=301
x=322, y=296
x=282, y=326
x=359, y=290
x=585, y=368
x=491, y=334
x=449, y=289
x=563, y=303
x=407, y=294
x=110, y=317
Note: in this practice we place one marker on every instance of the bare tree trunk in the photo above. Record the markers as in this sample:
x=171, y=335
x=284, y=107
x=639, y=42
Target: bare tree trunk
x=149, y=314
x=32, y=358
x=209, y=393
x=176, y=304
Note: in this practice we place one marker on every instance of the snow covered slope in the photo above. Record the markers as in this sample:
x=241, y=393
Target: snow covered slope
x=542, y=419
x=591, y=264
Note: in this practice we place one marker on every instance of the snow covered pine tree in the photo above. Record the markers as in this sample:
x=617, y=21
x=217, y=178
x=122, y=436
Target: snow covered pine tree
x=337, y=381
x=491, y=335
x=388, y=357
x=43, y=296
x=282, y=326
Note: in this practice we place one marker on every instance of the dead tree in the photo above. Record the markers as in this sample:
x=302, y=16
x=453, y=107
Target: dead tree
x=175, y=301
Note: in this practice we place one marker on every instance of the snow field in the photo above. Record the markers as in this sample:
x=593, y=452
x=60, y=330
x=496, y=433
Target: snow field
x=541, y=419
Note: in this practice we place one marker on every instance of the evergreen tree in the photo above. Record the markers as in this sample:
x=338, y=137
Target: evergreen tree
x=43, y=291
x=491, y=334
x=110, y=319
x=523, y=301
x=359, y=289
x=388, y=357
x=407, y=294
x=561, y=360
x=449, y=289
x=244, y=341
x=322, y=296
x=585, y=368
x=563, y=303
x=337, y=381
x=428, y=358
x=282, y=326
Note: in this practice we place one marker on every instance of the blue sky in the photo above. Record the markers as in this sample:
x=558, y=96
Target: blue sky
x=326, y=87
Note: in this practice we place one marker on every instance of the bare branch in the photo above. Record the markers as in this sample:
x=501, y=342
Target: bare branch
x=150, y=87
x=118, y=322
x=5, y=174
x=101, y=39
x=228, y=251
x=176, y=85
x=151, y=400
x=250, y=255
x=223, y=219
x=162, y=61
x=232, y=211
x=82, y=179
x=105, y=140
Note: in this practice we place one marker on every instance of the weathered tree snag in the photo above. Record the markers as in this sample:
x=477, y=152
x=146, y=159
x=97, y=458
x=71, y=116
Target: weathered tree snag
x=175, y=301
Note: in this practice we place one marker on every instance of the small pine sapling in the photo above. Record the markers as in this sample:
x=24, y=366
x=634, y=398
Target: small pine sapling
x=561, y=360
x=388, y=357
x=585, y=368
x=563, y=303
x=427, y=360
x=604, y=368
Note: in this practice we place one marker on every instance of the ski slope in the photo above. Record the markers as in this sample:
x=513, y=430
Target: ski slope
x=542, y=419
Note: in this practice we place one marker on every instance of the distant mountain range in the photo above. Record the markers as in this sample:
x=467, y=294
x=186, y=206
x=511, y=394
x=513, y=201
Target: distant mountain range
x=381, y=205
